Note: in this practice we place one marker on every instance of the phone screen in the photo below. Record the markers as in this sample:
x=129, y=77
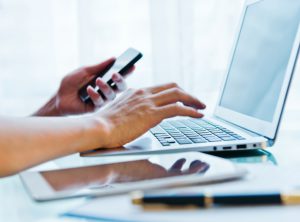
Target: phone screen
x=122, y=64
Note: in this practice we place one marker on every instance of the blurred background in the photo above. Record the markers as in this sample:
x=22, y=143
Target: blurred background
x=186, y=41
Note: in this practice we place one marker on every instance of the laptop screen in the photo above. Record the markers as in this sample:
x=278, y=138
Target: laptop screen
x=261, y=58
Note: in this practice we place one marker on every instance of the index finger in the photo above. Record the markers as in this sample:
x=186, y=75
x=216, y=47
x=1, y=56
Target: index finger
x=174, y=95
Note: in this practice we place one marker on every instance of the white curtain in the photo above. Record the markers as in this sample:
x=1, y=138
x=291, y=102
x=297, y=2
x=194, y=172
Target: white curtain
x=184, y=41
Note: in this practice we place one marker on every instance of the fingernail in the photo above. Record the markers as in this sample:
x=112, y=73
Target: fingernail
x=195, y=162
x=200, y=114
x=100, y=82
x=116, y=77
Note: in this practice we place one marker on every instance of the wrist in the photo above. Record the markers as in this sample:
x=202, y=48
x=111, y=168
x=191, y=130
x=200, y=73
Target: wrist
x=98, y=131
x=49, y=109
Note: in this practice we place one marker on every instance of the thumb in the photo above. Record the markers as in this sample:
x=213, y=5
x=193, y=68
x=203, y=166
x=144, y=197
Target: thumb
x=82, y=77
x=95, y=69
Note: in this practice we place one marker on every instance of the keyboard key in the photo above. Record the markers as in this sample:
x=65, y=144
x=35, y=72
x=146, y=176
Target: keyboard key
x=199, y=140
x=183, y=141
x=206, y=134
x=213, y=139
x=179, y=137
x=157, y=130
x=161, y=135
x=228, y=138
x=195, y=137
x=170, y=140
x=240, y=138
x=191, y=134
x=165, y=144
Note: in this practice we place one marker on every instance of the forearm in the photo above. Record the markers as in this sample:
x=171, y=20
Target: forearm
x=25, y=142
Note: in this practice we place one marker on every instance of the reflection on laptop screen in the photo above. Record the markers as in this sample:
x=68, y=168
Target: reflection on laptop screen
x=261, y=57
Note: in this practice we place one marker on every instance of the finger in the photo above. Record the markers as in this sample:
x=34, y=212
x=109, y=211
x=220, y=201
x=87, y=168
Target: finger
x=176, y=109
x=159, y=88
x=95, y=97
x=174, y=95
x=198, y=167
x=105, y=89
x=119, y=81
x=95, y=69
x=178, y=164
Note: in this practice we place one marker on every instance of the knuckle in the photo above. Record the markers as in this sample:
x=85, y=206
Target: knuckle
x=148, y=106
x=151, y=105
x=177, y=92
x=140, y=92
x=177, y=107
x=174, y=85
x=142, y=109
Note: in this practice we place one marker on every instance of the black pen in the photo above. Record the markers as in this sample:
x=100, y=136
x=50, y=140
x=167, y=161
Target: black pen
x=208, y=200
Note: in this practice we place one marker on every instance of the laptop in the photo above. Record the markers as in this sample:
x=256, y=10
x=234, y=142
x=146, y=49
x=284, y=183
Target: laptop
x=253, y=95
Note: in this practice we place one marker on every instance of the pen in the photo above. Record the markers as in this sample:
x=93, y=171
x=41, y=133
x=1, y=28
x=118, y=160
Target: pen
x=208, y=200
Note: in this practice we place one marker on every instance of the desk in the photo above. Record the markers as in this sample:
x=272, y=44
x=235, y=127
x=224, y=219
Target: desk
x=16, y=205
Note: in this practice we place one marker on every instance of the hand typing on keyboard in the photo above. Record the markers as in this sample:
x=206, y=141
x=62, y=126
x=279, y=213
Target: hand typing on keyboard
x=136, y=111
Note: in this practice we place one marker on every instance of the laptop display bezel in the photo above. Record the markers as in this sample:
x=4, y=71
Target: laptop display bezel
x=261, y=127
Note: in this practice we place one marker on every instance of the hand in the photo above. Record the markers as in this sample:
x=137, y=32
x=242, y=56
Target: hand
x=136, y=111
x=66, y=100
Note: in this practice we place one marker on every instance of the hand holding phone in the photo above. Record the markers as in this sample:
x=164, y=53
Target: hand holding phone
x=122, y=65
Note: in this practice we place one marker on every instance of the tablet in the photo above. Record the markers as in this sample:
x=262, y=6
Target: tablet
x=142, y=173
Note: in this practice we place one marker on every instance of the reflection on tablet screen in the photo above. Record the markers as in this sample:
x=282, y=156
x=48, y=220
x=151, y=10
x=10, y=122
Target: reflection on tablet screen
x=117, y=173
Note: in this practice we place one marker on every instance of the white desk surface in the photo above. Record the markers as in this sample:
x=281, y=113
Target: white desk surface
x=16, y=205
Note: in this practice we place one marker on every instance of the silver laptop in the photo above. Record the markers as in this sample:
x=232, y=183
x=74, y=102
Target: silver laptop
x=253, y=95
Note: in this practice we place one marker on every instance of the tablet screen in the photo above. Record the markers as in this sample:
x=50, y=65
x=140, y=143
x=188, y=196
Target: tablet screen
x=109, y=175
x=126, y=174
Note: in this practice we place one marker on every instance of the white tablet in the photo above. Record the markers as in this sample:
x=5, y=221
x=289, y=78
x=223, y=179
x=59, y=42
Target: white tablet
x=142, y=173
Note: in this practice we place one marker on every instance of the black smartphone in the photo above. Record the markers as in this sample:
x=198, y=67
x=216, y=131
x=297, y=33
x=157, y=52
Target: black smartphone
x=122, y=65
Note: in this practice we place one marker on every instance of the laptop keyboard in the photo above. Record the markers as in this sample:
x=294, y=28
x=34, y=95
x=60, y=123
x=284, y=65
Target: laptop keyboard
x=189, y=131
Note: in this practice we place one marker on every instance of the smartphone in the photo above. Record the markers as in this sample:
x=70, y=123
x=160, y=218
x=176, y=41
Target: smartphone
x=122, y=64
